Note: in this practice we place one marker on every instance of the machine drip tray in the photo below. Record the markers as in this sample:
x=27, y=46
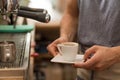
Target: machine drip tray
x=20, y=66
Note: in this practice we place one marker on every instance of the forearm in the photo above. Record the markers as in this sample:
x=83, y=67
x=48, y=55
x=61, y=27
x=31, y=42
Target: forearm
x=68, y=27
x=69, y=21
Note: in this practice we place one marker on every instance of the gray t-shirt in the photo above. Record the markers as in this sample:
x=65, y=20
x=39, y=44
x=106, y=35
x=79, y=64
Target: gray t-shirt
x=99, y=22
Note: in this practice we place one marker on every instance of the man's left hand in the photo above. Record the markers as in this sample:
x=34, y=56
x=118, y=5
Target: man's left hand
x=99, y=58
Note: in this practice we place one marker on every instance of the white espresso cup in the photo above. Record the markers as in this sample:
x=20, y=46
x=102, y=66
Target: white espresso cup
x=68, y=50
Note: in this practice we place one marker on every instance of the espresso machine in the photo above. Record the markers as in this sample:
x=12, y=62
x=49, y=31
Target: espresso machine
x=15, y=39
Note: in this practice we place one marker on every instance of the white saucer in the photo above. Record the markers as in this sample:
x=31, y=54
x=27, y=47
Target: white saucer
x=58, y=59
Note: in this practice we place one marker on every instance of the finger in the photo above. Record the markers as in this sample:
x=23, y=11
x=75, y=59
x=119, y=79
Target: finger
x=79, y=64
x=89, y=52
x=89, y=64
x=52, y=50
x=58, y=41
x=82, y=65
x=92, y=62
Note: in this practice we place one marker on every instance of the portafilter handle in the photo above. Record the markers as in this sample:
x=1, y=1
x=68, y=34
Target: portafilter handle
x=10, y=9
x=39, y=16
x=33, y=9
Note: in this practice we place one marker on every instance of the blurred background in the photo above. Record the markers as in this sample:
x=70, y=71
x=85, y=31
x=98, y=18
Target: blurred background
x=43, y=34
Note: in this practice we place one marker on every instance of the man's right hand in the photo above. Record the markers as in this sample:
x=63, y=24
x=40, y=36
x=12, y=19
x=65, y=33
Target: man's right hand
x=52, y=48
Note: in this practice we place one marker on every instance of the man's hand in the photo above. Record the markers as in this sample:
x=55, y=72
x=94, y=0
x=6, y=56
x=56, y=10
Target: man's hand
x=52, y=48
x=99, y=58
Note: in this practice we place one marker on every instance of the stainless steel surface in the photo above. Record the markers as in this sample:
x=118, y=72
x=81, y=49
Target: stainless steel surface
x=7, y=51
x=18, y=68
x=8, y=8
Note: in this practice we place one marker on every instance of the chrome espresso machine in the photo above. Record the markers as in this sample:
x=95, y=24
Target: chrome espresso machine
x=15, y=39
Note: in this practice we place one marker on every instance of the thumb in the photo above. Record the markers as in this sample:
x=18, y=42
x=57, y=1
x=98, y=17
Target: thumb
x=89, y=52
x=79, y=64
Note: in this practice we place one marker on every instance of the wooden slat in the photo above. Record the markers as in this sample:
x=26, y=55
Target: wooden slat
x=12, y=78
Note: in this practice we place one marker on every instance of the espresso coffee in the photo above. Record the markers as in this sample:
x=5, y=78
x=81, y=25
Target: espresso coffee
x=69, y=44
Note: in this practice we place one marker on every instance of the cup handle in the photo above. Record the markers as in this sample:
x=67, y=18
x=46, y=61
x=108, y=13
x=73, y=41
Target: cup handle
x=59, y=48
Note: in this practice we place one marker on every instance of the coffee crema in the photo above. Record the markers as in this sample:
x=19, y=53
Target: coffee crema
x=69, y=44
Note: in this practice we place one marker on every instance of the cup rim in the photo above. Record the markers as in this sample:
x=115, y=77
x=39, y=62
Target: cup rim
x=76, y=44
